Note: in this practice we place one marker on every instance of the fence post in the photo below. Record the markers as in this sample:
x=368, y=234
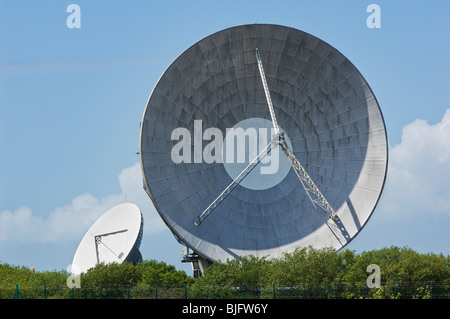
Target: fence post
x=45, y=291
x=156, y=291
x=17, y=294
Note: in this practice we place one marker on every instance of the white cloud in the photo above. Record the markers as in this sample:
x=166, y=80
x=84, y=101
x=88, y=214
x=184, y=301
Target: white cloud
x=15, y=226
x=418, y=180
x=73, y=220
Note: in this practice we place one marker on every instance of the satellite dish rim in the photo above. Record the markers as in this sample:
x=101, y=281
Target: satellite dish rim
x=124, y=218
x=148, y=189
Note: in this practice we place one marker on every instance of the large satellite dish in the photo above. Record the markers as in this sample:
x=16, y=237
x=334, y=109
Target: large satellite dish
x=313, y=179
x=114, y=237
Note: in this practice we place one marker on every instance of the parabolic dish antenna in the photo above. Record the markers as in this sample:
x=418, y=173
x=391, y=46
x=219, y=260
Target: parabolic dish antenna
x=236, y=95
x=114, y=237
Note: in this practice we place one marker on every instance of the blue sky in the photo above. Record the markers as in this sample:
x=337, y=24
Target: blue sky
x=71, y=101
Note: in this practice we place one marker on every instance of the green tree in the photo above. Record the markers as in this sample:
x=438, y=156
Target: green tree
x=31, y=285
x=233, y=278
x=310, y=265
x=111, y=275
x=109, y=280
x=399, y=265
x=159, y=273
x=249, y=270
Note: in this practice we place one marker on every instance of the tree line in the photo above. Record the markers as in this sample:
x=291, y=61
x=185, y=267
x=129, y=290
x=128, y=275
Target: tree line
x=326, y=265
x=313, y=267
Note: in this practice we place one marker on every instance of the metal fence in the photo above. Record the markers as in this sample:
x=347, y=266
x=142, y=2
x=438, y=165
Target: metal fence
x=428, y=290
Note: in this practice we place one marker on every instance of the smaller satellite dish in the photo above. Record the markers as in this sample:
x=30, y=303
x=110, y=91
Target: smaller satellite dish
x=114, y=237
